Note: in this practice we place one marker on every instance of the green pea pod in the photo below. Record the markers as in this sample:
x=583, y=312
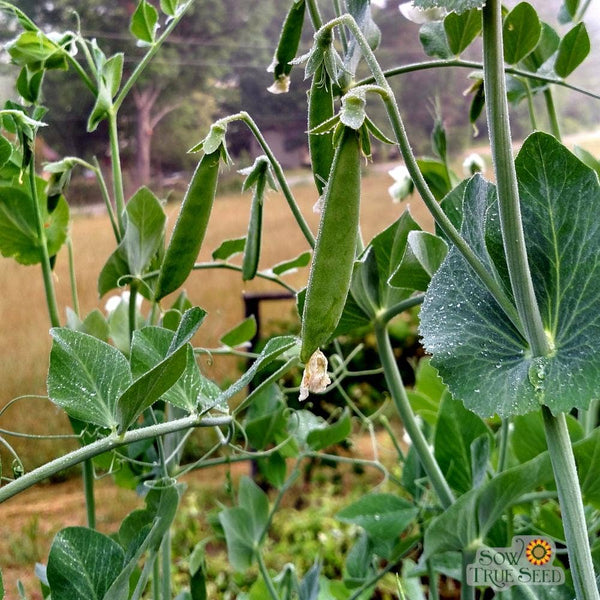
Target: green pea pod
x=253, y=238
x=320, y=109
x=190, y=227
x=289, y=40
x=335, y=250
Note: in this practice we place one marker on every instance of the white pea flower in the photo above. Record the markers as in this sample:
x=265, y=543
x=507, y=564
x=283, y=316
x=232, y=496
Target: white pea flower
x=403, y=185
x=280, y=86
x=113, y=302
x=315, y=378
x=421, y=15
x=474, y=163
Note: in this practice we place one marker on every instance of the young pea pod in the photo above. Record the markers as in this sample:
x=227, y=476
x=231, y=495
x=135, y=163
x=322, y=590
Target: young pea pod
x=253, y=238
x=320, y=109
x=289, y=40
x=190, y=227
x=335, y=250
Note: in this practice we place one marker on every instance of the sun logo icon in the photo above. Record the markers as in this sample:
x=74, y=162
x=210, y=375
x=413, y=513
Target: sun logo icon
x=538, y=552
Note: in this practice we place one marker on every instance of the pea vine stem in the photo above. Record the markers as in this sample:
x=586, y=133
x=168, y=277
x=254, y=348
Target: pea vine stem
x=106, y=444
x=559, y=446
x=400, y=398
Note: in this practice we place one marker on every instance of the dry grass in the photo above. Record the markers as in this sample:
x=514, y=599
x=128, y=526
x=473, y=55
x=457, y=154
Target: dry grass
x=25, y=340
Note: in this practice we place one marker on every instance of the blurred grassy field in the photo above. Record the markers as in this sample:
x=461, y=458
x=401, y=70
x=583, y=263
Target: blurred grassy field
x=25, y=343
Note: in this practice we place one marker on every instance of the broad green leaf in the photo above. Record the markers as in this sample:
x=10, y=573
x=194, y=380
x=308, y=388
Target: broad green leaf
x=86, y=377
x=6, y=149
x=144, y=22
x=266, y=418
x=34, y=50
x=169, y=7
x=83, y=563
x=587, y=158
x=572, y=50
x=361, y=11
x=546, y=47
x=144, y=234
x=567, y=11
x=458, y=6
x=521, y=32
x=241, y=333
x=302, y=422
x=436, y=175
x=528, y=437
x=309, y=586
x=358, y=562
x=112, y=72
x=382, y=516
x=229, y=248
x=457, y=428
x=19, y=238
x=239, y=536
x=477, y=351
x=148, y=388
x=423, y=256
x=273, y=468
x=144, y=532
x=434, y=41
x=462, y=29
x=289, y=266
x=256, y=503
x=318, y=439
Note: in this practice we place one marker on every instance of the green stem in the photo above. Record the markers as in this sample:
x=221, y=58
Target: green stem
x=88, y=488
x=338, y=12
x=434, y=593
x=106, y=444
x=506, y=181
x=156, y=580
x=45, y=258
x=106, y=197
x=132, y=309
x=72, y=277
x=117, y=173
x=389, y=313
x=315, y=15
x=467, y=592
x=245, y=117
x=503, y=448
x=413, y=168
x=165, y=555
x=385, y=423
x=266, y=577
x=182, y=9
x=552, y=116
x=231, y=267
x=531, y=107
x=589, y=418
x=398, y=393
x=571, y=505
x=469, y=64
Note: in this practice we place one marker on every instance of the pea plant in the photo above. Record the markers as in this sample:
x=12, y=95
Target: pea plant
x=502, y=418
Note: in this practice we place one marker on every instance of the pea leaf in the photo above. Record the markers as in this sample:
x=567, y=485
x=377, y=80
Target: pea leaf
x=382, y=516
x=19, y=238
x=160, y=375
x=330, y=435
x=86, y=376
x=144, y=22
x=169, y=7
x=34, y=50
x=83, y=563
x=521, y=32
x=229, y=248
x=572, y=50
x=288, y=266
x=479, y=354
x=241, y=333
x=434, y=40
x=456, y=430
x=457, y=6
x=462, y=29
x=144, y=234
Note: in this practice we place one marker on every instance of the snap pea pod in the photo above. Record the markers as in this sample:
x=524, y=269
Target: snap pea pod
x=320, y=109
x=253, y=237
x=287, y=47
x=190, y=227
x=331, y=270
